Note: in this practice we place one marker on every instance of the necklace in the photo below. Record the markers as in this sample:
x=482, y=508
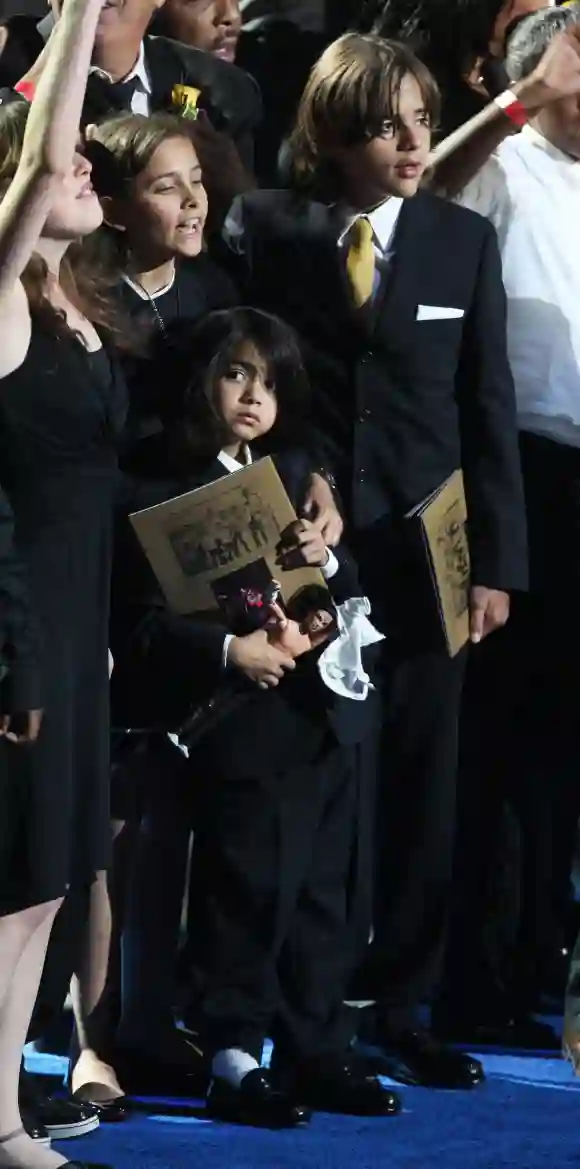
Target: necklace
x=146, y=295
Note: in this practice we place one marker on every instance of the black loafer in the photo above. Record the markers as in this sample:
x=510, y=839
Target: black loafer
x=417, y=1058
x=256, y=1102
x=345, y=1086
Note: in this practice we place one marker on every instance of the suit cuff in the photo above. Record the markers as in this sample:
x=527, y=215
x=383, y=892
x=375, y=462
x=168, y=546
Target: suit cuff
x=225, y=651
x=331, y=567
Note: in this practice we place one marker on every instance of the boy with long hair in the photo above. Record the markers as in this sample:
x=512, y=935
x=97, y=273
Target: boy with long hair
x=398, y=298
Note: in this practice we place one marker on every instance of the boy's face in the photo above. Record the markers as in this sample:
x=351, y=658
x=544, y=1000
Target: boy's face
x=394, y=162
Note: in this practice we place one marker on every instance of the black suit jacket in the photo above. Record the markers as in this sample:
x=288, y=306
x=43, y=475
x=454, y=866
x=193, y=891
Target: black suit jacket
x=230, y=97
x=401, y=402
x=165, y=663
x=19, y=635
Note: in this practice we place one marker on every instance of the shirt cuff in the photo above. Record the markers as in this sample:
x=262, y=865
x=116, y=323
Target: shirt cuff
x=331, y=567
x=227, y=642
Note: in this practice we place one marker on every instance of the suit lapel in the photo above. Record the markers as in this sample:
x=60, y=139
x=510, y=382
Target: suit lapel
x=165, y=70
x=325, y=262
x=395, y=305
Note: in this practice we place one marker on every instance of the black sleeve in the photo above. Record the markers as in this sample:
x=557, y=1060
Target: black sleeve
x=165, y=663
x=489, y=435
x=19, y=634
x=346, y=582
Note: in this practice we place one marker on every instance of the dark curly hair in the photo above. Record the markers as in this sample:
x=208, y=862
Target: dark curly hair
x=198, y=428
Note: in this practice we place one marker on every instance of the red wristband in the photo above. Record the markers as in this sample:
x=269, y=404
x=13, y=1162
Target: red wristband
x=26, y=89
x=510, y=105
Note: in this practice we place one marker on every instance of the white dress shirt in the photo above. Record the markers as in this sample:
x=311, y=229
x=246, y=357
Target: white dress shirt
x=383, y=220
x=530, y=191
x=140, y=99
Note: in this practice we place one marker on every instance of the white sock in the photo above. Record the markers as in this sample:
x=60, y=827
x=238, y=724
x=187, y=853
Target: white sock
x=232, y=1065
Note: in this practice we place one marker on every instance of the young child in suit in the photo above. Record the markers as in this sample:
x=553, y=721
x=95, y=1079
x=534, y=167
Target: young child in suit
x=285, y=799
x=398, y=300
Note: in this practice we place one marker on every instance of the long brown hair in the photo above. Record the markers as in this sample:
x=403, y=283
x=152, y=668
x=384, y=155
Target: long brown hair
x=86, y=287
x=352, y=90
x=120, y=150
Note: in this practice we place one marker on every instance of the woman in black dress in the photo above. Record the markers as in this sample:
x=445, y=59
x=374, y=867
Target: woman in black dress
x=61, y=408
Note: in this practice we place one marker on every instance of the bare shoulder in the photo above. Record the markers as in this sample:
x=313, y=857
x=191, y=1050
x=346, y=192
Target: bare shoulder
x=15, y=329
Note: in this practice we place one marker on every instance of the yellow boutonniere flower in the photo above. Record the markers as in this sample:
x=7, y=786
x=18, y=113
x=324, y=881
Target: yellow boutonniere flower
x=185, y=99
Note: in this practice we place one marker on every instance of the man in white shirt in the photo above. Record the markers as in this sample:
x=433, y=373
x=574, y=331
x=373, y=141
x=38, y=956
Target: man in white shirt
x=529, y=188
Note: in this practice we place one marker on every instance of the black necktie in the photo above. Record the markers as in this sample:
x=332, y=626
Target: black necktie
x=122, y=92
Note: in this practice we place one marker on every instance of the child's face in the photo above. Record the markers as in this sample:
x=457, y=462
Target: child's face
x=166, y=213
x=246, y=397
x=394, y=162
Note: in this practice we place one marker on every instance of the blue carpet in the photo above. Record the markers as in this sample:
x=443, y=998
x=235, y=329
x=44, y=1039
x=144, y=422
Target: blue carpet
x=527, y=1116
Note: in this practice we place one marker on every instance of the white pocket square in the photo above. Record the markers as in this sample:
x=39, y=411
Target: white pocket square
x=434, y=312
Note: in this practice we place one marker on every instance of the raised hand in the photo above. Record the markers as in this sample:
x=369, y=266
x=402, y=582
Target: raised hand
x=557, y=75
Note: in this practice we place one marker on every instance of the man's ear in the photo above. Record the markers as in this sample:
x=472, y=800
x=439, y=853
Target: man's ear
x=112, y=214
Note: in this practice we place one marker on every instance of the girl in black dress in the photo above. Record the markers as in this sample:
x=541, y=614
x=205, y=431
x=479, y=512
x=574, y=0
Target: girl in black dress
x=61, y=409
x=151, y=246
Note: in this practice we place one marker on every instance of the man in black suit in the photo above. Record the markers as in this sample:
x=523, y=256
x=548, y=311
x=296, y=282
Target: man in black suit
x=133, y=71
x=399, y=299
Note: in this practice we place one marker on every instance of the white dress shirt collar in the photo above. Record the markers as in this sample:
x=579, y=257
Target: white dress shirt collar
x=139, y=72
x=383, y=220
x=232, y=464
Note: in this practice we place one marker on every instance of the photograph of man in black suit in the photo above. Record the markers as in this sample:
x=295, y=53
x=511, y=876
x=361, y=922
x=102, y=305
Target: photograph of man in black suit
x=398, y=298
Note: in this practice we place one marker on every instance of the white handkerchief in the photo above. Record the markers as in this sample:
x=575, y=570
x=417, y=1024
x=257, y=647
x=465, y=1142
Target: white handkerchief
x=340, y=666
x=435, y=312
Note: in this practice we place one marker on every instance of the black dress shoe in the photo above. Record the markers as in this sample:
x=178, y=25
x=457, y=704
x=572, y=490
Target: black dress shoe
x=343, y=1085
x=111, y=1111
x=525, y=1034
x=256, y=1102
x=417, y=1058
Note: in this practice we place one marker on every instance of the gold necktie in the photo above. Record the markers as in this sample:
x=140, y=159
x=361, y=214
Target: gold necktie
x=360, y=261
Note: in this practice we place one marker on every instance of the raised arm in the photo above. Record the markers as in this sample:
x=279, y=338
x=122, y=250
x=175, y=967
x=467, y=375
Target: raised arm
x=456, y=160
x=49, y=144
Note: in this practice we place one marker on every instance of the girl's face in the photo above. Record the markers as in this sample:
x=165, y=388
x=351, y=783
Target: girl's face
x=246, y=397
x=166, y=213
x=75, y=209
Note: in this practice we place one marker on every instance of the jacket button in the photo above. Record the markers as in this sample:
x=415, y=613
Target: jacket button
x=366, y=357
x=364, y=414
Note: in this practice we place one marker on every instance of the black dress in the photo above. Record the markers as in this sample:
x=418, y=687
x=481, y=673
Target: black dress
x=60, y=415
x=156, y=379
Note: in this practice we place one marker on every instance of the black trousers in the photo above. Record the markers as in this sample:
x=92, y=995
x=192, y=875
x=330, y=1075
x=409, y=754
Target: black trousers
x=415, y=823
x=520, y=746
x=287, y=868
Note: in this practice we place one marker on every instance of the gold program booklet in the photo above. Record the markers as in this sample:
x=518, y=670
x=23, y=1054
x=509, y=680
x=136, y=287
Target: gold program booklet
x=222, y=538
x=441, y=520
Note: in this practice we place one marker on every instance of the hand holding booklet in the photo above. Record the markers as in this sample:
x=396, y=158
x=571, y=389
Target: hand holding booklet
x=441, y=528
